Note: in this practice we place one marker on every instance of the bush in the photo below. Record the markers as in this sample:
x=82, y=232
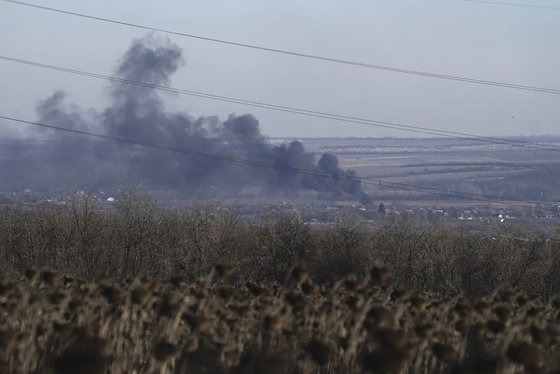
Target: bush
x=139, y=237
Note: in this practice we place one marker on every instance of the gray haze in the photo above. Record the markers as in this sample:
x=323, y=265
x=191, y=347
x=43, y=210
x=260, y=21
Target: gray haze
x=491, y=42
x=55, y=160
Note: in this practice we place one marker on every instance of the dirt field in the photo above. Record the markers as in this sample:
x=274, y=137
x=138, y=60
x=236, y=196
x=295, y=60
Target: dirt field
x=459, y=165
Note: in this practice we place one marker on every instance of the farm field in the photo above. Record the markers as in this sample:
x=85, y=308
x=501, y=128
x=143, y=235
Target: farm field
x=455, y=164
x=55, y=323
x=501, y=171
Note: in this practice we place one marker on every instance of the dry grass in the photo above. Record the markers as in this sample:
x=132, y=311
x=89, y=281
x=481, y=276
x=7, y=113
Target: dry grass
x=53, y=323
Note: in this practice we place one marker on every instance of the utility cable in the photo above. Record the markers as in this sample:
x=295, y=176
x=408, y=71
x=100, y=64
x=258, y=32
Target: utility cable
x=299, y=111
x=298, y=54
x=512, y=4
x=264, y=164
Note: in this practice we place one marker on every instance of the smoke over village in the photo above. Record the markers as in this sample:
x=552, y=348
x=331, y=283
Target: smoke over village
x=138, y=113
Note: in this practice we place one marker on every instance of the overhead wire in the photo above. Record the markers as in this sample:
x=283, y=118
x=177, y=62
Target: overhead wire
x=294, y=53
x=512, y=4
x=283, y=108
x=263, y=164
x=300, y=111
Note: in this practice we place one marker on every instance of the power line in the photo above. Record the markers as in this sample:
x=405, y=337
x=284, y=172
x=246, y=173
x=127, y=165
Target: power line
x=299, y=54
x=264, y=164
x=512, y=4
x=299, y=111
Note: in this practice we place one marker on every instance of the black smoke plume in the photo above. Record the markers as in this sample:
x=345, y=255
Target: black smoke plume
x=61, y=160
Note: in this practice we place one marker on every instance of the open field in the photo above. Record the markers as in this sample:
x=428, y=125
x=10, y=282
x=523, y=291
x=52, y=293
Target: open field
x=455, y=164
x=498, y=180
x=54, y=323
x=501, y=170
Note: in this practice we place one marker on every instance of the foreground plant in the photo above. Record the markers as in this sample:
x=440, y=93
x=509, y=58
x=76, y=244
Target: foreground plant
x=53, y=323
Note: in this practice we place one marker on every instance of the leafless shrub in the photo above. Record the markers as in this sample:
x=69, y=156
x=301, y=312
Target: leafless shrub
x=140, y=237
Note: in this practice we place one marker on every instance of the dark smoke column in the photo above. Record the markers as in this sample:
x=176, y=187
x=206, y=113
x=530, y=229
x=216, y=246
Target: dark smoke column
x=138, y=113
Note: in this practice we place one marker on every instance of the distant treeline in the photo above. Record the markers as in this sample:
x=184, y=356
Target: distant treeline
x=141, y=237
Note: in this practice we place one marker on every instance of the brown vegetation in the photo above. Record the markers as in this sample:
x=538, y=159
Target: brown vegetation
x=149, y=289
x=139, y=237
x=213, y=325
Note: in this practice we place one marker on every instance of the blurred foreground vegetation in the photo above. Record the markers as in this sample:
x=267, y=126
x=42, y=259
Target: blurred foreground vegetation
x=52, y=323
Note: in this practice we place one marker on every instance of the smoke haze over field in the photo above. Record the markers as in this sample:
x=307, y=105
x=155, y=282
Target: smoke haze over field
x=139, y=114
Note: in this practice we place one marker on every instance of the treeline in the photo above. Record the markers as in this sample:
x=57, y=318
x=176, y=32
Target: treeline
x=140, y=237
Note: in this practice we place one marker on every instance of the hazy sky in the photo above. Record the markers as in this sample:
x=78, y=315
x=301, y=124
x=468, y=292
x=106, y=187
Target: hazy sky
x=489, y=42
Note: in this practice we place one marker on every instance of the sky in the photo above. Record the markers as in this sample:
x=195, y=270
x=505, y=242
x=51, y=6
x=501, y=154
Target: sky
x=483, y=41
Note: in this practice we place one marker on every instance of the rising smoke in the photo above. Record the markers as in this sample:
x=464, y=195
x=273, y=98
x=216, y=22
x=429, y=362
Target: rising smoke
x=138, y=113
